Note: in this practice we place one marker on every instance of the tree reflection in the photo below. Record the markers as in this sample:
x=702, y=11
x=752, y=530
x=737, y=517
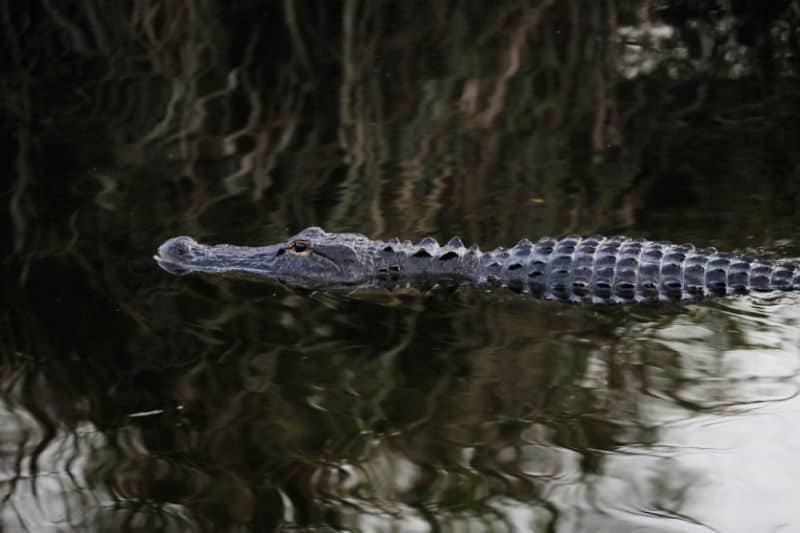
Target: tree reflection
x=136, y=402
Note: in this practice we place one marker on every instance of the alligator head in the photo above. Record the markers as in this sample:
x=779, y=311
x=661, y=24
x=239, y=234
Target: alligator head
x=311, y=259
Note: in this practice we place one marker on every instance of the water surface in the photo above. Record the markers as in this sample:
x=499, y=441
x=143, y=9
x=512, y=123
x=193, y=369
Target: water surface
x=133, y=400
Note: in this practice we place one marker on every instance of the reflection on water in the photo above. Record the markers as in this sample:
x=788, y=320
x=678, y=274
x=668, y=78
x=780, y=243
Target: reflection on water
x=136, y=401
x=465, y=410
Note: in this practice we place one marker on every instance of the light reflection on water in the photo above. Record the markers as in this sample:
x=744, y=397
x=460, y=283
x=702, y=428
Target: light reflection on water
x=701, y=468
x=707, y=430
x=486, y=412
x=47, y=475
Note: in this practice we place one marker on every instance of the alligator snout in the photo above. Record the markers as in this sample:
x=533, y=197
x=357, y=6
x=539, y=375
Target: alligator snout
x=175, y=254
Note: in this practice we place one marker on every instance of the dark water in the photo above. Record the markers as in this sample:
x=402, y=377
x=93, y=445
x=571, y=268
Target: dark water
x=136, y=401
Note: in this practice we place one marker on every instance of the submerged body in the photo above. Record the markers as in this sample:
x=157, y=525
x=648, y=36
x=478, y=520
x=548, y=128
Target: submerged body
x=576, y=269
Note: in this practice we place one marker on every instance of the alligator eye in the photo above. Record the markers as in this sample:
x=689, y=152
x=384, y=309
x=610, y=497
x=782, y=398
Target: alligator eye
x=181, y=249
x=300, y=247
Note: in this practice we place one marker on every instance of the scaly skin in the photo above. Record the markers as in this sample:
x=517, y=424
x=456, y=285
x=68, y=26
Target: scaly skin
x=576, y=269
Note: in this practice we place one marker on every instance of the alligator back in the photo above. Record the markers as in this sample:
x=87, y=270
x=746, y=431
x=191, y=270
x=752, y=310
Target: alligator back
x=619, y=270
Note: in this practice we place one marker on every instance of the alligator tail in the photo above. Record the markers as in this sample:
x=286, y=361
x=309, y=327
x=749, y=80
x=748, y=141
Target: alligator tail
x=619, y=270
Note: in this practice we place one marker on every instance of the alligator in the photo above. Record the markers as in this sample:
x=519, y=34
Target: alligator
x=575, y=269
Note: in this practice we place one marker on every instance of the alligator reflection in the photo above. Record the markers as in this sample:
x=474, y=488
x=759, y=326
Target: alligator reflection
x=242, y=404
